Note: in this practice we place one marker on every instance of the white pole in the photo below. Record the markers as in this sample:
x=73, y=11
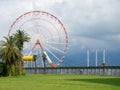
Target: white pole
x=96, y=60
x=88, y=58
x=104, y=56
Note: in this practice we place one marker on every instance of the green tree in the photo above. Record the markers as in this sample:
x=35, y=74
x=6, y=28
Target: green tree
x=44, y=61
x=9, y=53
x=21, y=37
x=103, y=65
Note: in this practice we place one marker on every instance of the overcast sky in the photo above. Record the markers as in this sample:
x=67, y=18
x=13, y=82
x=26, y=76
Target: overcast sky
x=93, y=24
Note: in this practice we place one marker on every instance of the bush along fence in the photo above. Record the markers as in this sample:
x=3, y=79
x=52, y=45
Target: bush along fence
x=108, y=70
x=3, y=69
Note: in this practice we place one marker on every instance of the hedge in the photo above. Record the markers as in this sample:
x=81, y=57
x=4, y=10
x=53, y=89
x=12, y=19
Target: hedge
x=3, y=69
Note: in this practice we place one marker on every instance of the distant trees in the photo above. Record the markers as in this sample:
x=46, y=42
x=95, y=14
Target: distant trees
x=11, y=51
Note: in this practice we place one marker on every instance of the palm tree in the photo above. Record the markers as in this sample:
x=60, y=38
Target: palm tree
x=103, y=65
x=21, y=38
x=44, y=60
x=9, y=52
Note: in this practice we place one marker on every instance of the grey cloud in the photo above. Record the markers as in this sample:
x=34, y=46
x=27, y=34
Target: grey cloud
x=92, y=21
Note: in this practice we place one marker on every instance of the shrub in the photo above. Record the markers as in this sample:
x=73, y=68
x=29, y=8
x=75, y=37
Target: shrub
x=103, y=64
x=23, y=72
x=14, y=71
x=3, y=69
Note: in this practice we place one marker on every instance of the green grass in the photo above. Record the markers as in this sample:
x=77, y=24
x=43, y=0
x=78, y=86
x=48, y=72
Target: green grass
x=60, y=82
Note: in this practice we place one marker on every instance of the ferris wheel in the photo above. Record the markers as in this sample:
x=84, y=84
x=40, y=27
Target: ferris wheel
x=48, y=35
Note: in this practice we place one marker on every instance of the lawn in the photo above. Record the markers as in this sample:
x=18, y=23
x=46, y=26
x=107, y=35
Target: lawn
x=60, y=82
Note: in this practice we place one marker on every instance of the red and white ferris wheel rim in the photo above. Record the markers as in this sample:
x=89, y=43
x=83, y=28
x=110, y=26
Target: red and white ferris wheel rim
x=53, y=17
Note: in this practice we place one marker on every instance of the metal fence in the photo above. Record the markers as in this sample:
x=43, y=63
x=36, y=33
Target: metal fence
x=109, y=70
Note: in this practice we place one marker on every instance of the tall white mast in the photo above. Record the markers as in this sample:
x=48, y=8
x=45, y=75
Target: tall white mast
x=88, y=58
x=104, y=56
x=96, y=57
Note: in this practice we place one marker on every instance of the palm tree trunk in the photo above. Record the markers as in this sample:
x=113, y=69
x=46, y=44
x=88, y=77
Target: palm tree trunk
x=10, y=71
x=44, y=67
x=35, y=67
x=20, y=68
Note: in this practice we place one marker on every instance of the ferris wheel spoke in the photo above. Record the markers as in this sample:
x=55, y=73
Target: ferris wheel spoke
x=41, y=58
x=54, y=37
x=60, y=43
x=52, y=53
x=55, y=48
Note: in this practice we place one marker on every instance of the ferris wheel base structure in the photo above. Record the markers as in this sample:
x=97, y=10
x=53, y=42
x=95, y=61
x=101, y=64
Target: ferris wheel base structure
x=52, y=65
x=31, y=58
x=49, y=60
